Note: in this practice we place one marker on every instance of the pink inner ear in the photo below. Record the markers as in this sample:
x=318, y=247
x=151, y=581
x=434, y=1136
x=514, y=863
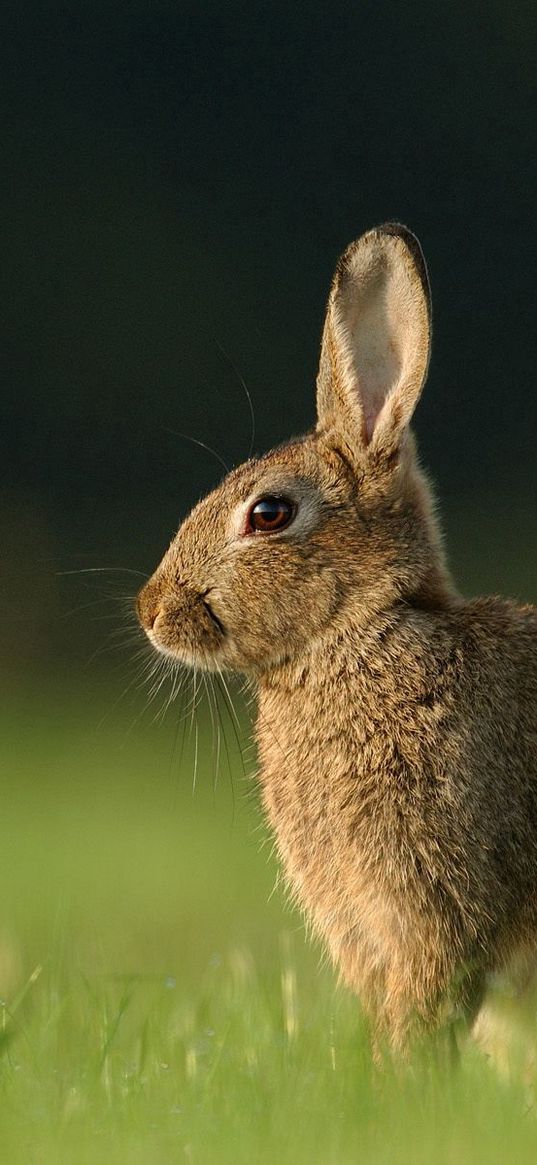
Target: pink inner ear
x=370, y=418
x=376, y=383
x=374, y=360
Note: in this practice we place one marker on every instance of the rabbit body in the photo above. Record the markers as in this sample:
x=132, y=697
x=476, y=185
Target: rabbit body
x=401, y=783
x=397, y=723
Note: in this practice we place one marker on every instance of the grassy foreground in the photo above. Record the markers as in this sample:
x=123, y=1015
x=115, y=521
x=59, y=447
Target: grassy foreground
x=158, y=1002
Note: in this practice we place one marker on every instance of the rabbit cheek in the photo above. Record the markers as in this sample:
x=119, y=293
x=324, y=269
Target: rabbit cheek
x=273, y=622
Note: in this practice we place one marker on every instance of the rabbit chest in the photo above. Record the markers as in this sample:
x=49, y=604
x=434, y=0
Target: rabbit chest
x=360, y=827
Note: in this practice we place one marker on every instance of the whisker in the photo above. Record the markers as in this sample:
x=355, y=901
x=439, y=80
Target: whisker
x=96, y=603
x=117, y=701
x=195, y=773
x=152, y=669
x=235, y=722
x=228, y=757
x=176, y=674
x=104, y=570
x=218, y=739
x=132, y=633
x=201, y=444
x=159, y=681
x=230, y=701
x=246, y=391
x=177, y=684
x=194, y=725
x=181, y=725
x=213, y=725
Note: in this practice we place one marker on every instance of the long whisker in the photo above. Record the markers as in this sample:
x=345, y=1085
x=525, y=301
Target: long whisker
x=105, y=648
x=201, y=444
x=103, y=570
x=213, y=725
x=179, y=736
x=177, y=679
x=135, y=681
x=194, y=724
x=226, y=749
x=246, y=391
x=145, y=676
x=218, y=736
x=95, y=603
x=157, y=686
x=235, y=723
x=230, y=701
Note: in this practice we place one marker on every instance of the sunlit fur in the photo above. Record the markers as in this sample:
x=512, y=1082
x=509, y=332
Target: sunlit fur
x=397, y=723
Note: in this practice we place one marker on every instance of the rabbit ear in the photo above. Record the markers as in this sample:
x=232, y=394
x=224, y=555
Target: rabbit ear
x=376, y=340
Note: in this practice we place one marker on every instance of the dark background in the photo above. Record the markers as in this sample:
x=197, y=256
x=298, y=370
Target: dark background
x=177, y=182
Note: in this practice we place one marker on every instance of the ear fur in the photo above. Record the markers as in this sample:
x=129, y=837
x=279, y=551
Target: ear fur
x=376, y=341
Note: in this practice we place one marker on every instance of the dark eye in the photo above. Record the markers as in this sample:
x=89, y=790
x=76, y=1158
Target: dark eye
x=270, y=514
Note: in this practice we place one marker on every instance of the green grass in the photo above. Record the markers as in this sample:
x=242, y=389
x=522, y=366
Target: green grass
x=159, y=1001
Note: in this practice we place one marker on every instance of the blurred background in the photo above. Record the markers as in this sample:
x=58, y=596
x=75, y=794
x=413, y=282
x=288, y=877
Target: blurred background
x=177, y=182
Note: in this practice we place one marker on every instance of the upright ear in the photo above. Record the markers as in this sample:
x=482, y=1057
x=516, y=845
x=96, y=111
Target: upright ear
x=376, y=341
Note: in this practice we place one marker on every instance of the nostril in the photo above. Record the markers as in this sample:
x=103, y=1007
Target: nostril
x=148, y=610
x=152, y=617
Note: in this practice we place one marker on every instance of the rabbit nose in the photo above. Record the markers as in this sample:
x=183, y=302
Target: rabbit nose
x=148, y=608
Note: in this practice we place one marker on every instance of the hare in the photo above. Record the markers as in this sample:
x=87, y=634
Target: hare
x=397, y=722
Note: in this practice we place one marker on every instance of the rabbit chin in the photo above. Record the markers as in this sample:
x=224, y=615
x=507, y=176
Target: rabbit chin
x=226, y=656
x=189, y=656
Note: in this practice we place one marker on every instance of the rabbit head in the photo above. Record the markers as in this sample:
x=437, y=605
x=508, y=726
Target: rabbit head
x=334, y=526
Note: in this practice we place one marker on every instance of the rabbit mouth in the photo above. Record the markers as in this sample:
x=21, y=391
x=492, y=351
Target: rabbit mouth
x=214, y=618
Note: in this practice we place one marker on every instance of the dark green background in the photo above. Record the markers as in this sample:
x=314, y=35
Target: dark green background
x=177, y=182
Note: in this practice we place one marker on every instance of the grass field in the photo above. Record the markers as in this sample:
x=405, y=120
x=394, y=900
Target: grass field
x=159, y=1002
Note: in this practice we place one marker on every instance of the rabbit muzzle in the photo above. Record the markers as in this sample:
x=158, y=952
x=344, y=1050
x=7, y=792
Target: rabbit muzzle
x=180, y=621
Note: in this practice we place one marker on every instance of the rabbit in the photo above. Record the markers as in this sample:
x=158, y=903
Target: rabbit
x=397, y=721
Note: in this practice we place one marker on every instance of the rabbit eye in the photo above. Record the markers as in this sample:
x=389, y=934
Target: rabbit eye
x=270, y=514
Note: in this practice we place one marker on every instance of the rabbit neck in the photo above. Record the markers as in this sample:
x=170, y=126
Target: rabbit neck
x=345, y=701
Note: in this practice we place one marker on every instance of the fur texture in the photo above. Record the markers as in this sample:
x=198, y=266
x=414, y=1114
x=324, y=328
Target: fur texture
x=397, y=723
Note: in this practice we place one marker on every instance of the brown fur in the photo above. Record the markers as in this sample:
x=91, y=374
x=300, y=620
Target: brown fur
x=397, y=724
